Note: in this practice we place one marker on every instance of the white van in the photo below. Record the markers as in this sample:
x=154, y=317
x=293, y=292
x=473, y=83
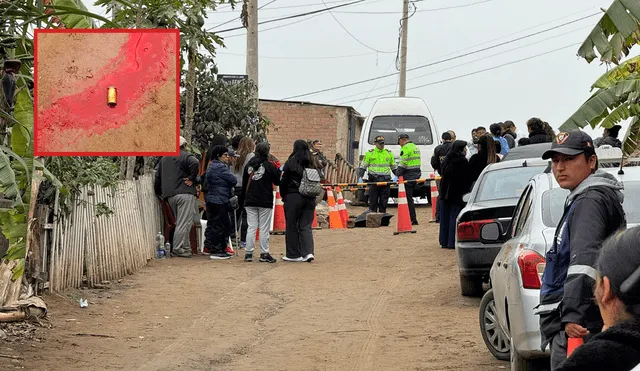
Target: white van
x=391, y=117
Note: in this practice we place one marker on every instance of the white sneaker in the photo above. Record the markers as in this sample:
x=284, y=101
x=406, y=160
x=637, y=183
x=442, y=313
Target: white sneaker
x=300, y=259
x=309, y=258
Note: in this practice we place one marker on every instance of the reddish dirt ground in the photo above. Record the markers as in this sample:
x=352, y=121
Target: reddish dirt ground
x=74, y=71
x=371, y=301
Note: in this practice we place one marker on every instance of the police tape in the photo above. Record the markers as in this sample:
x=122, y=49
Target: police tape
x=351, y=186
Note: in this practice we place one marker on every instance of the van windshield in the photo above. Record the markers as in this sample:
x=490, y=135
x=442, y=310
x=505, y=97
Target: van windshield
x=390, y=127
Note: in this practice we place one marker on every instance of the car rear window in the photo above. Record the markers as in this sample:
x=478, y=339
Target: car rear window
x=553, y=204
x=390, y=127
x=506, y=183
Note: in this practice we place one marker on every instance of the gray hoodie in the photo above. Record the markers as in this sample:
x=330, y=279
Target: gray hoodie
x=598, y=179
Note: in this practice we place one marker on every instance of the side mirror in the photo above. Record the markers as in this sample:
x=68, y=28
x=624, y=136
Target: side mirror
x=466, y=197
x=355, y=144
x=491, y=233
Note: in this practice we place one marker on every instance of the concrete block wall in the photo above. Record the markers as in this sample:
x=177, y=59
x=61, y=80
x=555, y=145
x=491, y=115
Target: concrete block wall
x=292, y=121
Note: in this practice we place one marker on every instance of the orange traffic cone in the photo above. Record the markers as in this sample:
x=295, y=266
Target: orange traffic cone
x=279, y=225
x=344, y=214
x=404, y=220
x=315, y=224
x=434, y=197
x=335, y=222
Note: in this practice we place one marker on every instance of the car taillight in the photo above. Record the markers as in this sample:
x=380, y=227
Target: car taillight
x=470, y=231
x=531, y=268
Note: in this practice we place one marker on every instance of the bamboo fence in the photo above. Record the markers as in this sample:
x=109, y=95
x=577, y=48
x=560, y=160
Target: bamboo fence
x=107, y=247
x=341, y=171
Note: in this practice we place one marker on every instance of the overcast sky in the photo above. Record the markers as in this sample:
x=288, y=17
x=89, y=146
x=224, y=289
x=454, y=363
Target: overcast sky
x=307, y=54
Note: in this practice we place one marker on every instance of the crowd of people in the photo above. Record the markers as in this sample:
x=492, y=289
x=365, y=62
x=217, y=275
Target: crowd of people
x=460, y=163
x=593, y=255
x=238, y=192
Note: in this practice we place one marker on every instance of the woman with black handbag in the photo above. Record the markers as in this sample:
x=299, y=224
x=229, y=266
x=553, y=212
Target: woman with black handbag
x=299, y=203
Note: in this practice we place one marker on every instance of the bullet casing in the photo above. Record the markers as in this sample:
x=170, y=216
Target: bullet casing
x=112, y=96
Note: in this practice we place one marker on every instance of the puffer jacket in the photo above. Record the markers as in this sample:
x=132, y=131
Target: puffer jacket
x=592, y=213
x=220, y=182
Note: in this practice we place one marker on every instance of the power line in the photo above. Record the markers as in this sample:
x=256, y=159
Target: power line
x=300, y=5
x=295, y=15
x=236, y=18
x=276, y=27
x=461, y=64
x=304, y=58
x=473, y=73
x=419, y=11
x=350, y=34
x=445, y=60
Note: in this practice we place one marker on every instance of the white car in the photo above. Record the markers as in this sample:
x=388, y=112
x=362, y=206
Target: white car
x=508, y=324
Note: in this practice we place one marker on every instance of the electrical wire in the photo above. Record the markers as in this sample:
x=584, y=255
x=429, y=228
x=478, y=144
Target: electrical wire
x=295, y=15
x=276, y=27
x=350, y=34
x=374, y=86
x=303, y=5
x=302, y=58
x=419, y=11
x=236, y=18
x=446, y=59
x=472, y=73
x=461, y=64
x=415, y=8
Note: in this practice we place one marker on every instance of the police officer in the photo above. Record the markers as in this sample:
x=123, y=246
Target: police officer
x=409, y=168
x=593, y=211
x=379, y=163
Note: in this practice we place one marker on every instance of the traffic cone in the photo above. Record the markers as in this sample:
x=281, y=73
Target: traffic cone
x=279, y=225
x=335, y=222
x=404, y=220
x=572, y=344
x=344, y=214
x=315, y=224
x=434, y=197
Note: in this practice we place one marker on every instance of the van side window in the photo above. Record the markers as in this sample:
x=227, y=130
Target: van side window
x=418, y=128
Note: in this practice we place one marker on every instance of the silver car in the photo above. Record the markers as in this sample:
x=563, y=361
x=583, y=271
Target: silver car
x=493, y=198
x=508, y=324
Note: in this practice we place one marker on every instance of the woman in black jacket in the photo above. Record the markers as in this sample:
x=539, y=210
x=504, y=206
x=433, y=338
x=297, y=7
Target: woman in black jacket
x=220, y=182
x=537, y=132
x=298, y=209
x=258, y=179
x=455, y=182
x=487, y=154
x=617, y=293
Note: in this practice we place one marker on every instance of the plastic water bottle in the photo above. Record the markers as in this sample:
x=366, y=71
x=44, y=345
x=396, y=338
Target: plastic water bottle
x=167, y=250
x=160, y=246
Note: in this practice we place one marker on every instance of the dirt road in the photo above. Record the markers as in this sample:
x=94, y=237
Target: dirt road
x=371, y=301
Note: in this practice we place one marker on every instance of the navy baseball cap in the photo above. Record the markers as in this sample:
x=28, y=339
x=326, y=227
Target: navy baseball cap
x=403, y=136
x=379, y=139
x=570, y=144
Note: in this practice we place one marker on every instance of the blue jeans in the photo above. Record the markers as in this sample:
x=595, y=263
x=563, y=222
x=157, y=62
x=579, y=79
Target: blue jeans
x=448, y=214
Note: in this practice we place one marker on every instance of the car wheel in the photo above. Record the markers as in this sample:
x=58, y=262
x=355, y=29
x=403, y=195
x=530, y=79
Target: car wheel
x=494, y=338
x=518, y=363
x=471, y=286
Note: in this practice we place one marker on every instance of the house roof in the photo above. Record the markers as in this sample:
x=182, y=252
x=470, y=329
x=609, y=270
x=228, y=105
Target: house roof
x=311, y=103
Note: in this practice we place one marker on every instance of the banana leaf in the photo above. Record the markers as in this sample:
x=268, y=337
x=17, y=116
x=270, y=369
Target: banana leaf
x=21, y=134
x=602, y=107
x=628, y=68
x=632, y=141
x=82, y=17
x=616, y=32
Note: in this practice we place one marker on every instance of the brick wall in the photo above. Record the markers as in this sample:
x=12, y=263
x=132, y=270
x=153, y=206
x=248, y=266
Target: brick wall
x=292, y=121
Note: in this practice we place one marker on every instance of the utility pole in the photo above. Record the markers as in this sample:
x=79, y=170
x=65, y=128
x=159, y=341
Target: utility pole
x=403, y=49
x=252, y=43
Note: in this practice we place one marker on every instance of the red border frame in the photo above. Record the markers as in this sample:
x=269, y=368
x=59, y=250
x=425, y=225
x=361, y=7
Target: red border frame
x=102, y=31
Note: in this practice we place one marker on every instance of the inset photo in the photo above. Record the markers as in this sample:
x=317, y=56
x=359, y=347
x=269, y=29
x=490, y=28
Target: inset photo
x=107, y=92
